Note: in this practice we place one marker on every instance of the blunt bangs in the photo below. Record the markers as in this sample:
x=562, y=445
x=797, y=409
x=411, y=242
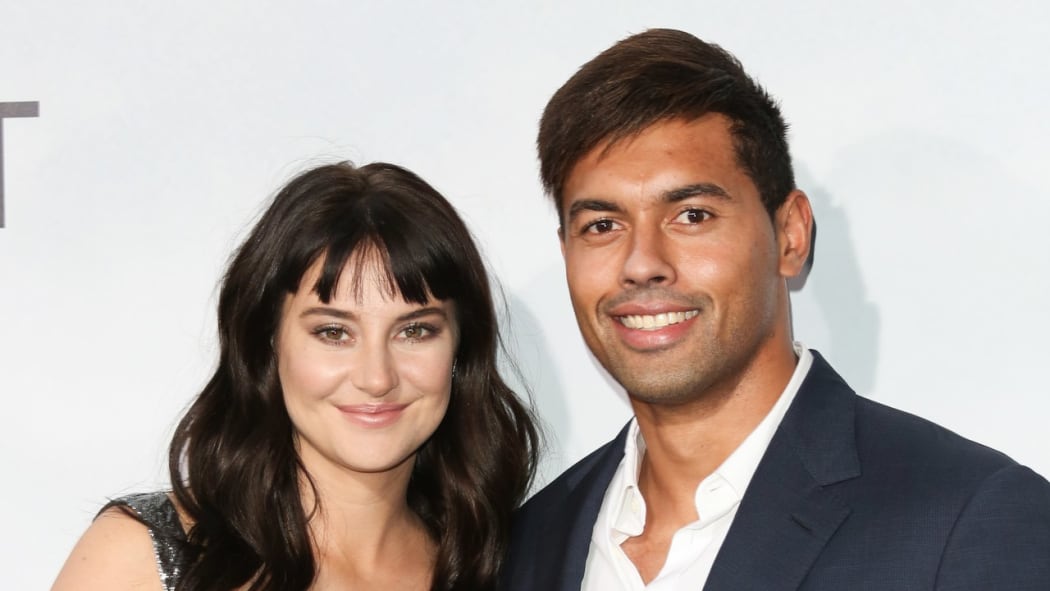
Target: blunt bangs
x=410, y=240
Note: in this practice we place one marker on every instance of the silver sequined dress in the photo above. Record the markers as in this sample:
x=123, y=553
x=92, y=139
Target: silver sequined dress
x=158, y=513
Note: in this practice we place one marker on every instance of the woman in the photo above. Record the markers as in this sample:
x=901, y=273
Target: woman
x=356, y=433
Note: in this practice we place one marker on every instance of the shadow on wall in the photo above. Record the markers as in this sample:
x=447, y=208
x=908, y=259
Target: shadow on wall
x=834, y=282
x=953, y=243
x=529, y=369
x=579, y=405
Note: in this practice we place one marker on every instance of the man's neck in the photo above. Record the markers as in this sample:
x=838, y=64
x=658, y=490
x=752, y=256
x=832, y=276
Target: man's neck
x=685, y=443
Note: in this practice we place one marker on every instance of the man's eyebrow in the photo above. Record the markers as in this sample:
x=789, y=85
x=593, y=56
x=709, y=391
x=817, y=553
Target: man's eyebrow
x=671, y=196
x=696, y=190
x=592, y=205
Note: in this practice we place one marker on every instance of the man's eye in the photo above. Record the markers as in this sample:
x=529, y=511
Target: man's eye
x=599, y=227
x=693, y=216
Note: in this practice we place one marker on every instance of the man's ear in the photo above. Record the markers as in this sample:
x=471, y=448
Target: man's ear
x=794, y=225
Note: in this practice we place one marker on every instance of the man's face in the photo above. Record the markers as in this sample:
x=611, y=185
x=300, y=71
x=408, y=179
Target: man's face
x=675, y=270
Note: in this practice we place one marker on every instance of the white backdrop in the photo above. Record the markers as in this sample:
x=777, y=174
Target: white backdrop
x=919, y=131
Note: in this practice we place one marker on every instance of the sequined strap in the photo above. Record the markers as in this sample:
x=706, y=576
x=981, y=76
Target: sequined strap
x=159, y=514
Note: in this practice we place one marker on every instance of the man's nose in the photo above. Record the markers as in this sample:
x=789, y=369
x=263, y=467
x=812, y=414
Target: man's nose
x=646, y=262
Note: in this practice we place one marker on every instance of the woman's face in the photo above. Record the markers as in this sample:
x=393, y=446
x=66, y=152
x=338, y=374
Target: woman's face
x=366, y=379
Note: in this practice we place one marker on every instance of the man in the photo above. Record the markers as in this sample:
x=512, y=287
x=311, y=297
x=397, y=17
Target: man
x=750, y=464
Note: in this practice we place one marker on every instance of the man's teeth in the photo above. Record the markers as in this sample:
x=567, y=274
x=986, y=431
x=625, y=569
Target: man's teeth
x=655, y=321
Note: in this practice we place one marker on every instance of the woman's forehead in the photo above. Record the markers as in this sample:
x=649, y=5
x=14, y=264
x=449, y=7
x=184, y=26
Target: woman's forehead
x=365, y=274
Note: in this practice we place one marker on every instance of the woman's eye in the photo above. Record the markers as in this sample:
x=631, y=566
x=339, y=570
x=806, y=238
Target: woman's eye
x=332, y=333
x=693, y=216
x=415, y=332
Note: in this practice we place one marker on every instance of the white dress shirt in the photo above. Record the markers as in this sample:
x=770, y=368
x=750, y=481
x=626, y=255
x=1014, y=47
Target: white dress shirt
x=695, y=545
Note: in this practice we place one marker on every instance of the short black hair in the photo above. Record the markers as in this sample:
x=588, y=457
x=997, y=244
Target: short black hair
x=654, y=76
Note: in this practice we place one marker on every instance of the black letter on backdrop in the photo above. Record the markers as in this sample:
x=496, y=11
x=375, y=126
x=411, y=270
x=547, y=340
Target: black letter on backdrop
x=31, y=109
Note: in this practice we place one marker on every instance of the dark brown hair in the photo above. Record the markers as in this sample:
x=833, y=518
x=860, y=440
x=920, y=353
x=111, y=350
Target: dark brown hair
x=234, y=468
x=654, y=76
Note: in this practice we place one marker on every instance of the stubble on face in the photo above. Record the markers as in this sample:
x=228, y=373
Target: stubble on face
x=719, y=353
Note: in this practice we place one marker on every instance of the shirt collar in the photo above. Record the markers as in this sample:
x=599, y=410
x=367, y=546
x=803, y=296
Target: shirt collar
x=738, y=469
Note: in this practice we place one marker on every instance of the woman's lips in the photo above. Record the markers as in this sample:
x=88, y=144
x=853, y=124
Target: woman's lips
x=373, y=415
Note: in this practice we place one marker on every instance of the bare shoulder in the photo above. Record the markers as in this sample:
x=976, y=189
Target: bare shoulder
x=115, y=553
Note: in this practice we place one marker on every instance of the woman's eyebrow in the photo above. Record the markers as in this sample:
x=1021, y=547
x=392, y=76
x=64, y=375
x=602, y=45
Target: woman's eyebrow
x=348, y=315
x=328, y=311
x=420, y=312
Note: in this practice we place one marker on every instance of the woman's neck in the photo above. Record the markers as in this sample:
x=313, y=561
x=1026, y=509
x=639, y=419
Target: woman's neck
x=363, y=531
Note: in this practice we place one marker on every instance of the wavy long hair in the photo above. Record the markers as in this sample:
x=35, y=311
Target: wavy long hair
x=234, y=468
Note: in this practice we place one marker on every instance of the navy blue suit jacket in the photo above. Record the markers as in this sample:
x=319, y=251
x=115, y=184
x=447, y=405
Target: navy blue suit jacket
x=850, y=496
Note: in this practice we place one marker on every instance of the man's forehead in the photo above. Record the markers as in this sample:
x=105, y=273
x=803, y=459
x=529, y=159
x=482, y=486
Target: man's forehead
x=711, y=133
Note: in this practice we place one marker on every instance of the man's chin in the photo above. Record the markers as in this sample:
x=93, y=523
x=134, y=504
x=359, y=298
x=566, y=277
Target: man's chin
x=661, y=390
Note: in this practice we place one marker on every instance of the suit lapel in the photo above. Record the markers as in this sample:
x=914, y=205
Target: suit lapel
x=568, y=530
x=790, y=509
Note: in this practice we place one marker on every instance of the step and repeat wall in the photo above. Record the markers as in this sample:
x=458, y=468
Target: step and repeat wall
x=139, y=141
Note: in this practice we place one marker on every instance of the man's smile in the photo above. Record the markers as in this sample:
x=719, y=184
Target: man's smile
x=655, y=321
